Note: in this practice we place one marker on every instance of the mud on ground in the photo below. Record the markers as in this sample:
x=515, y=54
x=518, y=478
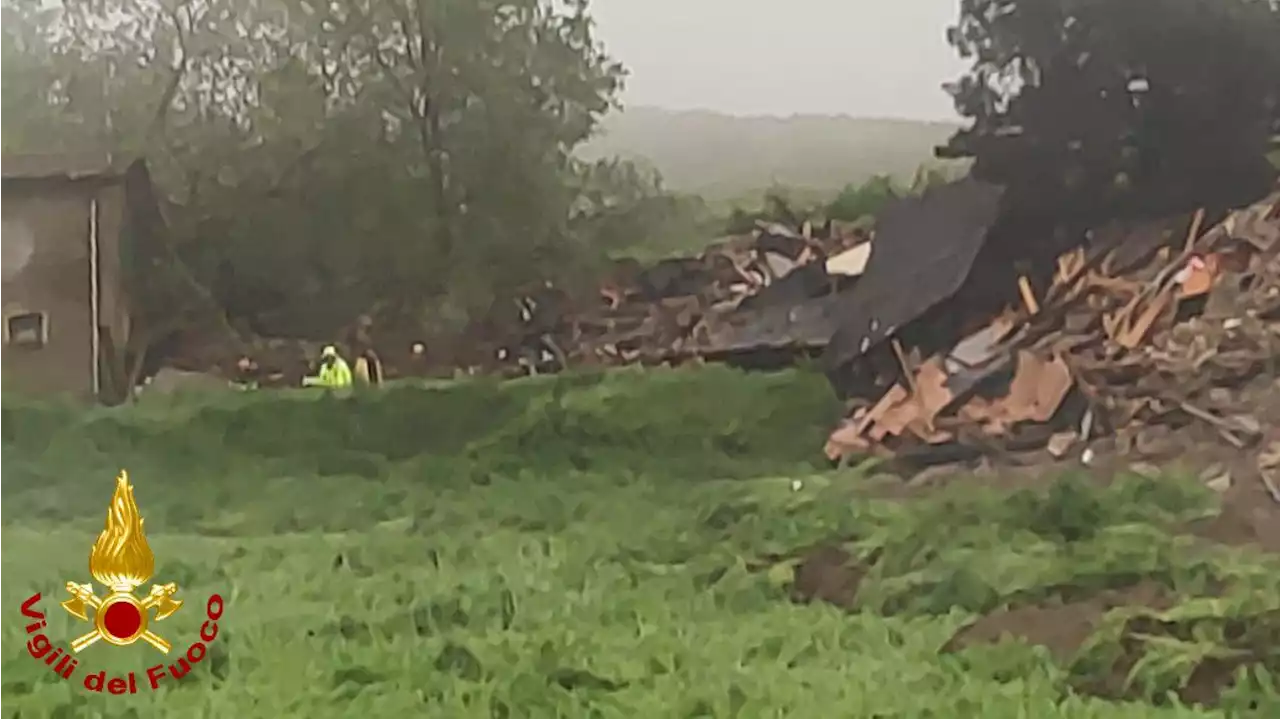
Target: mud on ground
x=1249, y=517
x=1062, y=628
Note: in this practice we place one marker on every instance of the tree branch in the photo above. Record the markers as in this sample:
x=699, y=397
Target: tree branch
x=179, y=71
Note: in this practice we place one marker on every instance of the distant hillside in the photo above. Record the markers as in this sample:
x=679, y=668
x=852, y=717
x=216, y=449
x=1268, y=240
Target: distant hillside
x=722, y=156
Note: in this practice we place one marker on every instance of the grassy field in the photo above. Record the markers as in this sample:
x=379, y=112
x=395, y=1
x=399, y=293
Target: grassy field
x=616, y=545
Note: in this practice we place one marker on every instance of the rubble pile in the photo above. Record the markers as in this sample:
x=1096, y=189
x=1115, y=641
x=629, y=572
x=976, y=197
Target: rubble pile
x=709, y=305
x=697, y=307
x=1162, y=326
x=1149, y=327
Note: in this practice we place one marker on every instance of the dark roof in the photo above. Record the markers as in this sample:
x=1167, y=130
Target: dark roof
x=54, y=166
x=923, y=250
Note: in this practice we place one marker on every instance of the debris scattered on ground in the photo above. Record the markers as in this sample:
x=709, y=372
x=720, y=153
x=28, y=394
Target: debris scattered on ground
x=924, y=252
x=1131, y=335
x=1140, y=333
x=770, y=289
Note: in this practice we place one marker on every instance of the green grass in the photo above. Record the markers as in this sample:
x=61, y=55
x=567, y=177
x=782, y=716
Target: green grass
x=582, y=546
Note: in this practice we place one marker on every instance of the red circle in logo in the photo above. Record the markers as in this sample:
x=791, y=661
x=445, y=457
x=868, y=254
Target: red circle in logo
x=122, y=620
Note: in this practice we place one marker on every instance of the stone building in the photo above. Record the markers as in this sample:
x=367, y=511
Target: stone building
x=69, y=225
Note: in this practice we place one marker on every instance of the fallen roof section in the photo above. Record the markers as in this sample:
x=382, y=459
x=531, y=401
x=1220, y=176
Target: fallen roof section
x=1171, y=335
x=924, y=249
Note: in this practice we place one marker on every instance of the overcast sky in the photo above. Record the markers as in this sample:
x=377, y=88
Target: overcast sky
x=870, y=58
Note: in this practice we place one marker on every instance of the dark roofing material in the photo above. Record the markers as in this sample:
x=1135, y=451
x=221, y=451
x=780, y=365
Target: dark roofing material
x=923, y=251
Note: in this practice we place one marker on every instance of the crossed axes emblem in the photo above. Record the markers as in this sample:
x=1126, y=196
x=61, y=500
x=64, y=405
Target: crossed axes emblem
x=160, y=598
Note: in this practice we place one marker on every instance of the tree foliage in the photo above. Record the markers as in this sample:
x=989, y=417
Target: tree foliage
x=854, y=203
x=320, y=158
x=1102, y=103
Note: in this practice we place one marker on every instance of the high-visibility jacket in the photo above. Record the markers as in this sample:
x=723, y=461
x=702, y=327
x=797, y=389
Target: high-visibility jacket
x=335, y=375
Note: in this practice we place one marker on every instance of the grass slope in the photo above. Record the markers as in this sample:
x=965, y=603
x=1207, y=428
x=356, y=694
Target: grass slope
x=584, y=546
x=726, y=157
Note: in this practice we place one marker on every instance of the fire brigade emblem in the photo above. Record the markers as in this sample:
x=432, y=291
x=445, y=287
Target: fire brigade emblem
x=121, y=561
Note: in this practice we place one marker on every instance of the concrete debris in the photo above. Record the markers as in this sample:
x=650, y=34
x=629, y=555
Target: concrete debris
x=1125, y=338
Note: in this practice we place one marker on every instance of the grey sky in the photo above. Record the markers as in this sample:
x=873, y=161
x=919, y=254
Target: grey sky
x=876, y=58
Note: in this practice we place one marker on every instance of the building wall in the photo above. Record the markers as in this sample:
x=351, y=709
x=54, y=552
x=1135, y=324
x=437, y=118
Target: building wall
x=113, y=304
x=47, y=269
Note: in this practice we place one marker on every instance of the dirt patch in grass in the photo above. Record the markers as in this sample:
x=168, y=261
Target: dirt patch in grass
x=1239, y=643
x=1107, y=673
x=1062, y=627
x=1249, y=517
x=830, y=574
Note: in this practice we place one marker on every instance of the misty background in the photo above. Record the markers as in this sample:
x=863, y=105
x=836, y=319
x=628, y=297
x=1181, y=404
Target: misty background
x=725, y=98
x=302, y=122
x=823, y=57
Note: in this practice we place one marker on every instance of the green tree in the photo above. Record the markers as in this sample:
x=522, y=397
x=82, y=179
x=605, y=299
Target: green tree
x=625, y=210
x=320, y=159
x=1152, y=104
x=856, y=202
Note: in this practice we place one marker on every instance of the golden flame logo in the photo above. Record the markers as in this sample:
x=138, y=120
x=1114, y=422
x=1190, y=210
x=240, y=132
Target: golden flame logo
x=121, y=560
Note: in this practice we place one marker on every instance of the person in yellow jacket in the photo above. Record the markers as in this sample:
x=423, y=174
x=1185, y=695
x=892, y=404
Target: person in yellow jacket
x=334, y=371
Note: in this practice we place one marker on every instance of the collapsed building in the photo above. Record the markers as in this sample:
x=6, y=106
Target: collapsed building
x=950, y=339
x=949, y=332
x=1163, y=321
x=760, y=300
